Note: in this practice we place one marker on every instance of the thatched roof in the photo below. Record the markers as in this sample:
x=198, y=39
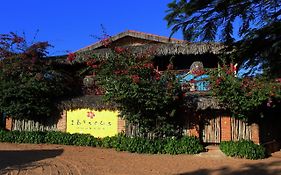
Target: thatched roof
x=194, y=101
x=145, y=37
x=87, y=101
x=158, y=50
x=140, y=43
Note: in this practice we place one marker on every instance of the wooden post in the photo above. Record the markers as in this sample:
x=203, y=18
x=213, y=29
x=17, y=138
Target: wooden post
x=255, y=133
x=61, y=125
x=194, y=129
x=225, y=128
x=8, y=123
x=121, y=125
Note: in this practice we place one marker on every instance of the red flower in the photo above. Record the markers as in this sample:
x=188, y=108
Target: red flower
x=124, y=72
x=116, y=72
x=95, y=66
x=192, y=81
x=278, y=80
x=119, y=49
x=18, y=39
x=89, y=63
x=106, y=42
x=157, y=76
x=148, y=65
x=120, y=72
x=218, y=81
x=71, y=57
x=170, y=66
x=135, y=78
x=198, y=72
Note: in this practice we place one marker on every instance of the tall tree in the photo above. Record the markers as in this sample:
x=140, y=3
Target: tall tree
x=30, y=84
x=257, y=40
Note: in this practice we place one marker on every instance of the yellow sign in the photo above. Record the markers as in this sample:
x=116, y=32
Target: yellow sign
x=97, y=123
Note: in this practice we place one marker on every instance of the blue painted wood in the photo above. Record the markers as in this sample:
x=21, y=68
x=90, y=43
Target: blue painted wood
x=201, y=82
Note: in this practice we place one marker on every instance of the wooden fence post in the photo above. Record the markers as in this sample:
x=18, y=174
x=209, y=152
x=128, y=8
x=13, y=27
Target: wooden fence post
x=8, y=123
x=225, y=128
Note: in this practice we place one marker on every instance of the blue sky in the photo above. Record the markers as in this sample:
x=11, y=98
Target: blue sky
x=69, y=24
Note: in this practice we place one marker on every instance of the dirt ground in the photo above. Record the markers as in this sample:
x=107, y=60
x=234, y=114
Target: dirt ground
x=56, y=159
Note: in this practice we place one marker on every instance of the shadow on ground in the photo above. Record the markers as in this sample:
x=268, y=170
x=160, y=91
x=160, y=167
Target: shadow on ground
x=272, y=168
x=18, y=159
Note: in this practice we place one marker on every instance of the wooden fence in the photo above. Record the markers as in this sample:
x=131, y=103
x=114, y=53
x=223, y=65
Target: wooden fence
x=240, y=130
x=208, y=127
x=31, y=125
x=211, y=130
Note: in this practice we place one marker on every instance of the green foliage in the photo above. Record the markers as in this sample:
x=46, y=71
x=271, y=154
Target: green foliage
x=30, y=85
x=243, y=149
x=245, y=97
x=257, y=40
x=62, y=138
x=143, y=95
x=184, y=145
x=22, y=137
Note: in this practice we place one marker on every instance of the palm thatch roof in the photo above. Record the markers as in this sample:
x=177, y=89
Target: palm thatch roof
x=157, y=50
x=87, y=101
x=139, y=38
x=194, y=101
x=139, y=43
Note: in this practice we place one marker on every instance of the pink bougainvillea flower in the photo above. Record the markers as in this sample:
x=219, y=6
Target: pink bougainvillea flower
x=198, y=72
x=148, y=65
x=18, y=39
x=135, y=78
x=106, y=42
x=119, y=50
x=192, y=81
x=170, y=66
x=71, y=57
x=95, y=66
x=278, y=80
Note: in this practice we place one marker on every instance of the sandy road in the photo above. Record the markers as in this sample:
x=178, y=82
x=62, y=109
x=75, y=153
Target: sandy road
x=24, y=159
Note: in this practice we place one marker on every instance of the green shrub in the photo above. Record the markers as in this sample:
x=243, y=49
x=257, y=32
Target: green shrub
x=243, y=149
x=6, y=136
x=184, y=145
x=28, y=137
x=54, y=137
x=84, y=140
x=108, y=142
x=22, y=137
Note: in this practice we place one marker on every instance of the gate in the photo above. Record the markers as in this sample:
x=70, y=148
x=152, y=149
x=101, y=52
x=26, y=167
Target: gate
x=210, y=128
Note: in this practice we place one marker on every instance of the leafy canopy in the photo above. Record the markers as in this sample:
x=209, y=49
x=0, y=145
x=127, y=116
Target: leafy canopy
x=145, y=97
x=245, y=98
x=258, y=23
x=29, y=84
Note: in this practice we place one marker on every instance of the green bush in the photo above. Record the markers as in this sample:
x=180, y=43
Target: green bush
x=243, y=149
x=84, y=140
x=61, y=138
x=22, y=137
x=184, y=145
